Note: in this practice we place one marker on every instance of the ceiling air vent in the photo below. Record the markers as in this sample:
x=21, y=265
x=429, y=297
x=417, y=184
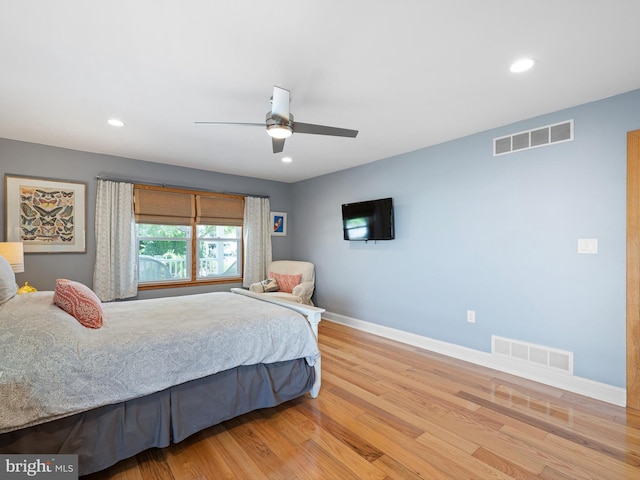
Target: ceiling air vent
x=538, y=137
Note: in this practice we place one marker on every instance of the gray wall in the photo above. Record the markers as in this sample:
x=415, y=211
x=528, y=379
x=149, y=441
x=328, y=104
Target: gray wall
x=497, y=235
x=28, y=159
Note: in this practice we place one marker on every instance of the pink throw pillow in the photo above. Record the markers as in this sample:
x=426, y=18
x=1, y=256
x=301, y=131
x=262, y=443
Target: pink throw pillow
x=79, y=300
x=286, y=282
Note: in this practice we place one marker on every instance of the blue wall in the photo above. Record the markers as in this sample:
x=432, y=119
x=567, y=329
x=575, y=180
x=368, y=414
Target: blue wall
x=497, y=235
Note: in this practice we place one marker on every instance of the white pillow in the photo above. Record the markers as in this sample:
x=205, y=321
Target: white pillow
x=8, y=287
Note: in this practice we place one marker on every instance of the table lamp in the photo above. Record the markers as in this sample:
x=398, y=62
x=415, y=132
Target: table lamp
x=14, y=254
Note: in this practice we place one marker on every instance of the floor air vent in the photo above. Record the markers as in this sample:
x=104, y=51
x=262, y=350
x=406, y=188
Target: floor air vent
x=538, y=137
x=535, y=354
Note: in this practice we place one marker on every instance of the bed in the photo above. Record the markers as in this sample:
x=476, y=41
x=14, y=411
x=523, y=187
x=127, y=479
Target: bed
x=156, y=371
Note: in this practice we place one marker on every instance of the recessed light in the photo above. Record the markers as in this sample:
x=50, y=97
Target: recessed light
x=522, y=65
x=114, y=122
x=287, y=160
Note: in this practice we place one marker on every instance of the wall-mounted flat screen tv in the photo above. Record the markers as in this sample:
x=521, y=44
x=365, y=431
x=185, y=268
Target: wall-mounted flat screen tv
x=370, y=220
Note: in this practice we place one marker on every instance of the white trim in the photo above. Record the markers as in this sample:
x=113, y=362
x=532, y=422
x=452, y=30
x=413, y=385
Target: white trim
x=564, y=381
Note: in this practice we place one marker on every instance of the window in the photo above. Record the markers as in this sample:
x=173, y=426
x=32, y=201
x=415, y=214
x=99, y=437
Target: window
x=219, y=247
x=187, y=237
x=163, y=253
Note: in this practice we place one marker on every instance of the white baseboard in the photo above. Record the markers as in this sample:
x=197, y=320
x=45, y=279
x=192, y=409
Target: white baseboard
x=564, y=381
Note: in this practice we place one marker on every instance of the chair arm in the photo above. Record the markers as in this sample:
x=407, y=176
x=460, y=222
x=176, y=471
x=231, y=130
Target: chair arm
x=304, y=290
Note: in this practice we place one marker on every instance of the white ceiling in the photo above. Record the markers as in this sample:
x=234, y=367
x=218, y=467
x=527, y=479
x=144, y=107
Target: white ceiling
x=406, y=74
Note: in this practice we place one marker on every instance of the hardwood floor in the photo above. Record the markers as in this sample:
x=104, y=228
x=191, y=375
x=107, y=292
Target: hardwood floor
x=392, y=411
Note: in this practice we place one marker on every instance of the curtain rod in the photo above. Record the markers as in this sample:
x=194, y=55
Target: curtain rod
x=143, y=182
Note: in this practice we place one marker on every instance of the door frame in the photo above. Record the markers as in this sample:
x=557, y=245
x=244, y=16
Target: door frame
x=633, y=269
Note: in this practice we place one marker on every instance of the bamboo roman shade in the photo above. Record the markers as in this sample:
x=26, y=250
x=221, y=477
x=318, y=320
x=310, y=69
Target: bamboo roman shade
x=166, y=207
x=163, y=207
x=219, y=210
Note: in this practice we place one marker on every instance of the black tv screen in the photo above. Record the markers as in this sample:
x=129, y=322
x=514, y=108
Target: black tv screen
x=370, y=220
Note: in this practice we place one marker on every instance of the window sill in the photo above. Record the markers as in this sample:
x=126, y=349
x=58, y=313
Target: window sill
x=190, y=283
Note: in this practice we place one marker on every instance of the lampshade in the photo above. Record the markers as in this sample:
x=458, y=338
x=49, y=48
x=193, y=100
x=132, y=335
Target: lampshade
x=14, y=254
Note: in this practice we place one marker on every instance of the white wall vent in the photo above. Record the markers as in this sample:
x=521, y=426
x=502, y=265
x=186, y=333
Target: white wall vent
x=535, y=354
x=538, y=137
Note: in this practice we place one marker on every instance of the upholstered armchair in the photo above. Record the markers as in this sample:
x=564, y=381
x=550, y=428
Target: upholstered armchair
x=294, y=281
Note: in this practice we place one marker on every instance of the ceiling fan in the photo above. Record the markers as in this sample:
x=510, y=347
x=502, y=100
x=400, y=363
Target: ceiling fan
x=280, y=124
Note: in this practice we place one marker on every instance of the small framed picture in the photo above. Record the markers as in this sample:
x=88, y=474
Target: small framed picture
x=46, y=215
x=279, y=224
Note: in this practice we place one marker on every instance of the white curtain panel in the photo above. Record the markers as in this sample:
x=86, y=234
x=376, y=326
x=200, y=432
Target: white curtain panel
x=257, y=239
x=115, y=274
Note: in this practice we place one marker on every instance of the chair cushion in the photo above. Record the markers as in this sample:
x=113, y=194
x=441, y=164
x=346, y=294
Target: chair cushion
x=286, y=283
x=289, y=297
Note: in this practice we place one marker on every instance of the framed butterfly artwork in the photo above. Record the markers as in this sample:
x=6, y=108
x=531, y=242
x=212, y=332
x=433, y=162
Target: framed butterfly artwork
x=47, y=216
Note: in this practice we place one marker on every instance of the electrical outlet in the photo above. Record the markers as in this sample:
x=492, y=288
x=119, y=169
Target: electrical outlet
x=471, y=316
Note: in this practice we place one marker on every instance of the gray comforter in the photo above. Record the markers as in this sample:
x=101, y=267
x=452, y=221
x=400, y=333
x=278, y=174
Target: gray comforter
x=51, y=366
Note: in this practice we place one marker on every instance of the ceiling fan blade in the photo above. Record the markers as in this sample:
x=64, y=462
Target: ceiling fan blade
x=323, y=130
x=278, y=144
x=280, y=103
x=231, y=123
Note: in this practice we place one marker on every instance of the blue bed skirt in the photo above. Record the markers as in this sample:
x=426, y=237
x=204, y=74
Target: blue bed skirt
x=106, y=435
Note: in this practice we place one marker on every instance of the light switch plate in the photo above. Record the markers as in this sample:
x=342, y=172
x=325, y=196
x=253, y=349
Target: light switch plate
x=588, y=246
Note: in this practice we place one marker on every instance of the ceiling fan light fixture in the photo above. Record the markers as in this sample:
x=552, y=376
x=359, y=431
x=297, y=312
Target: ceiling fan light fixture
x=279, y=131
